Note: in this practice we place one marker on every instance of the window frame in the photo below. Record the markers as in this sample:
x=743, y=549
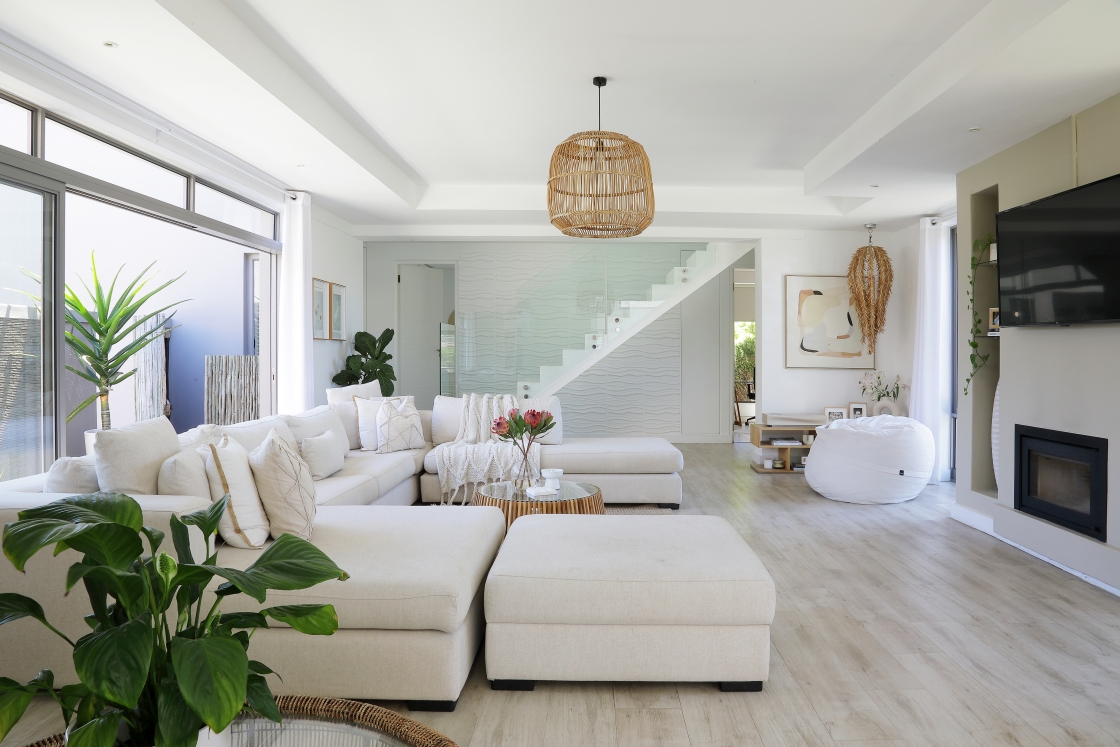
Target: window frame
x=36, y=173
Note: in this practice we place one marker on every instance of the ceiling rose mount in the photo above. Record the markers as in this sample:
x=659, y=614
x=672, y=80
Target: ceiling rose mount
x=599, y=183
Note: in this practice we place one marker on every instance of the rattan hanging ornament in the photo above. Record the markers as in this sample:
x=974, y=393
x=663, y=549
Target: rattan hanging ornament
x=599, y=184
x=869, y=281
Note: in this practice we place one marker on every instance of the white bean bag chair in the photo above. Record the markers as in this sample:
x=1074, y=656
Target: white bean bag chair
x=884, y=459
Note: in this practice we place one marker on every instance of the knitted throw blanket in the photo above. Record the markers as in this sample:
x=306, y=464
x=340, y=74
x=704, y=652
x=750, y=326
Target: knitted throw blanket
x=477, y=455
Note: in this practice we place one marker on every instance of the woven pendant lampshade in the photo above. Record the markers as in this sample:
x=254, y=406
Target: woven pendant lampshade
x=600, y=185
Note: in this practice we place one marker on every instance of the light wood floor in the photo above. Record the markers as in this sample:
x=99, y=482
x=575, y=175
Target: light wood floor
x=895, y=626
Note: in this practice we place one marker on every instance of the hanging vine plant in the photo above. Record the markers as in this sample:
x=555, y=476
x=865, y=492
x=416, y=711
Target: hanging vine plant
x=975, y=359
x=870, y=277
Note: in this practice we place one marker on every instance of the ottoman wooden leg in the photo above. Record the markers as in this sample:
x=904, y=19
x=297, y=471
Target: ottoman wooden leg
x=438, y=706
x=740, y=687
x=525, y=685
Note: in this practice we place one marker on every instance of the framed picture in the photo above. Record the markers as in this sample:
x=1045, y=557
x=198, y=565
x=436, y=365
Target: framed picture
x=835, y=413
x=857, y=410
x=993, y=322
x=338, y=312
x=320, y=309
x=822, y=327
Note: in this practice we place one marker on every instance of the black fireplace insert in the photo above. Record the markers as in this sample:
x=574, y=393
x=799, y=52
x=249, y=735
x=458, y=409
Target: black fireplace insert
x=1062, y=478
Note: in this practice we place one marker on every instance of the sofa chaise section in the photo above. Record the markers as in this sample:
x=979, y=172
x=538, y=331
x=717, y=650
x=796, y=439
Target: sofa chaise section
x=410, y=615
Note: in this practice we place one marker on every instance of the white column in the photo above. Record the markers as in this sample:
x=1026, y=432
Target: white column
x=295, y=373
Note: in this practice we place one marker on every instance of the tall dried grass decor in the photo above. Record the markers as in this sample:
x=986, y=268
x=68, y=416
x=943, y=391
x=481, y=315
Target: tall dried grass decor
x=599, y=184
x=869, y=281
x=231, y=389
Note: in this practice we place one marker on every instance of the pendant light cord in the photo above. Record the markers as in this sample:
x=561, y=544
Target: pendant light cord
x=600, y=89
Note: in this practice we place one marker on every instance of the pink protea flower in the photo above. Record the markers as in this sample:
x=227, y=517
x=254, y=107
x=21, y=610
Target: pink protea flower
x=533, y=418
x=500, y=427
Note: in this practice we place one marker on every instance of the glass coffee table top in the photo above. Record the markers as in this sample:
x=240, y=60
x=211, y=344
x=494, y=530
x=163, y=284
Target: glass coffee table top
x=330, y=722
x=509, y=491
x=305, y=732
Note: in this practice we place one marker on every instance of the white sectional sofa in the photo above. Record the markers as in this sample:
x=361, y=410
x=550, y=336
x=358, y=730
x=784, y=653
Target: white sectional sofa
x=626, y=469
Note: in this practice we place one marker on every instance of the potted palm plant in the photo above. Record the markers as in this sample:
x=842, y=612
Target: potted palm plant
x=150, y=676
x=99, y=332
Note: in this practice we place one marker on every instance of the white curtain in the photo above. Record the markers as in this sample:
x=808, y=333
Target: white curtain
x=931, y=390
x=295, y=372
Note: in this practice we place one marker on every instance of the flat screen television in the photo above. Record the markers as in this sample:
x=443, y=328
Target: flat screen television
x=1059, y=258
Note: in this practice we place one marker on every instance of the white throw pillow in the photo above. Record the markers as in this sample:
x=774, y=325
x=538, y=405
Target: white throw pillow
x=185, y=474
x=398, y=426
x=252, y=433
x=74, y=475
x=285, y=486
x=244, y=523
x=367, y=421
x=368, y=390
x=446, y=414
x=316, y=422
x=347, y=412
x=199, y=436
x=127, y=459
x=546, y=404
x=322, y=454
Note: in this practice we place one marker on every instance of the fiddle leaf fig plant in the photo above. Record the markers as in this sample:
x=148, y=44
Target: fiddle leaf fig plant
x=369, y=362
x=162, y=673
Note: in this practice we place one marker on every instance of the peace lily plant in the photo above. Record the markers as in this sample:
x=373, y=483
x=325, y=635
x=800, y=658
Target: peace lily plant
x=161, y=676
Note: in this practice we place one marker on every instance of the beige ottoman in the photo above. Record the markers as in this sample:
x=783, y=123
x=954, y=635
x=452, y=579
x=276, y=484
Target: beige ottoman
x=627, y=598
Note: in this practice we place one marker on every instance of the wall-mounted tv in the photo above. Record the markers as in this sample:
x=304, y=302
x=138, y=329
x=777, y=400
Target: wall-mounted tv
x=1059, y=258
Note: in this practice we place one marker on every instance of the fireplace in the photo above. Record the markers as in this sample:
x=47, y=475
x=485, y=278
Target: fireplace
x=1062, y=478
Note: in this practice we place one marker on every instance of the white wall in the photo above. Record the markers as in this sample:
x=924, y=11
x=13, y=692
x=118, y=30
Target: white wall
x=336, y=257
x=673, y=379
x=800, y=390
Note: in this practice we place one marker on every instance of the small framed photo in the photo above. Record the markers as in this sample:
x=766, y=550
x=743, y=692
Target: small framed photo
x=338, y=312
x=835, y=413
x=993, y=322
x=320, y=309
x=857, y=410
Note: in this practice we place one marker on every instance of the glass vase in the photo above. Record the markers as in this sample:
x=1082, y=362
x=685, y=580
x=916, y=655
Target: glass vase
x=524, y=475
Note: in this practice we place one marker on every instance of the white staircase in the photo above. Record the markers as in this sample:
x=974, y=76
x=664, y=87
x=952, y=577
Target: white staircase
x=627, y=318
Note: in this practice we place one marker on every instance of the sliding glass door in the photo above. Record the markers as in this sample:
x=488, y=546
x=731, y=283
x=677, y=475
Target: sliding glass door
x=27, y=252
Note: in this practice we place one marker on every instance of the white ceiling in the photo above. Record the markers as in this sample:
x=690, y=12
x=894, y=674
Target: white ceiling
x=437, y=119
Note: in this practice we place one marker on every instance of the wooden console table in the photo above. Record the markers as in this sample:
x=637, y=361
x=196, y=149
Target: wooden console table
x=761, y=435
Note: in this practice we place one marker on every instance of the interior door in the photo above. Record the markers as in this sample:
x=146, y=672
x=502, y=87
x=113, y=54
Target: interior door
x=419, y=313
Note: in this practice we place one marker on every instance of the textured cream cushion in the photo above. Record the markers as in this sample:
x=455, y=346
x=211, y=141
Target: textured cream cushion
x=285, y=487
x=624, y=455
x=76, y=475
x=127, y=459
x=398, y=426
x=322, y=455
x=389, y=470
x=546, y=404
x=446, y=414
x=185, y=474
x=340, y=394
x=252, y=433
x=628, y=570
x=316, y=422
x=199, y=436
x=411, y=568
x=244, y=523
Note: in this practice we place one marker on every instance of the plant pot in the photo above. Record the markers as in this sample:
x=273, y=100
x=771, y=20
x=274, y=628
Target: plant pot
x=889, y=406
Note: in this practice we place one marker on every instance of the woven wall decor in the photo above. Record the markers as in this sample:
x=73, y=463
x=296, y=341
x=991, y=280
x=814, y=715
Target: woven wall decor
x=600, y=185
x=870, y=277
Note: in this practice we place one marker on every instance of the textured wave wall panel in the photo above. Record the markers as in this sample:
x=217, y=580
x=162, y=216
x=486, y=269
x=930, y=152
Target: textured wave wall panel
x=634, y=390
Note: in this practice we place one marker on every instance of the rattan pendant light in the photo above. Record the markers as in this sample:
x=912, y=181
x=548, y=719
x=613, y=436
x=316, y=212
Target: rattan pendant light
x=599, y=184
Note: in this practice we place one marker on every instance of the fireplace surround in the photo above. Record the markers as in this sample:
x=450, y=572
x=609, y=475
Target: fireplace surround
x=1062, y=478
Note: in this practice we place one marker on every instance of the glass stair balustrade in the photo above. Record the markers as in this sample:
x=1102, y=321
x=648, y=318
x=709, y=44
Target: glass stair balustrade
x=601, y=297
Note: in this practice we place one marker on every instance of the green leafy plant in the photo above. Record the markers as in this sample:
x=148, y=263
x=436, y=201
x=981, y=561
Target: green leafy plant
x=369, y=362
x=97, y=331
x=744, y=351
x=976, y=360
x=162, y=675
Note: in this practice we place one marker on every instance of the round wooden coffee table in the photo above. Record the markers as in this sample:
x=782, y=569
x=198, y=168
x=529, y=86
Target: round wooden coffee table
x=573, y=498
